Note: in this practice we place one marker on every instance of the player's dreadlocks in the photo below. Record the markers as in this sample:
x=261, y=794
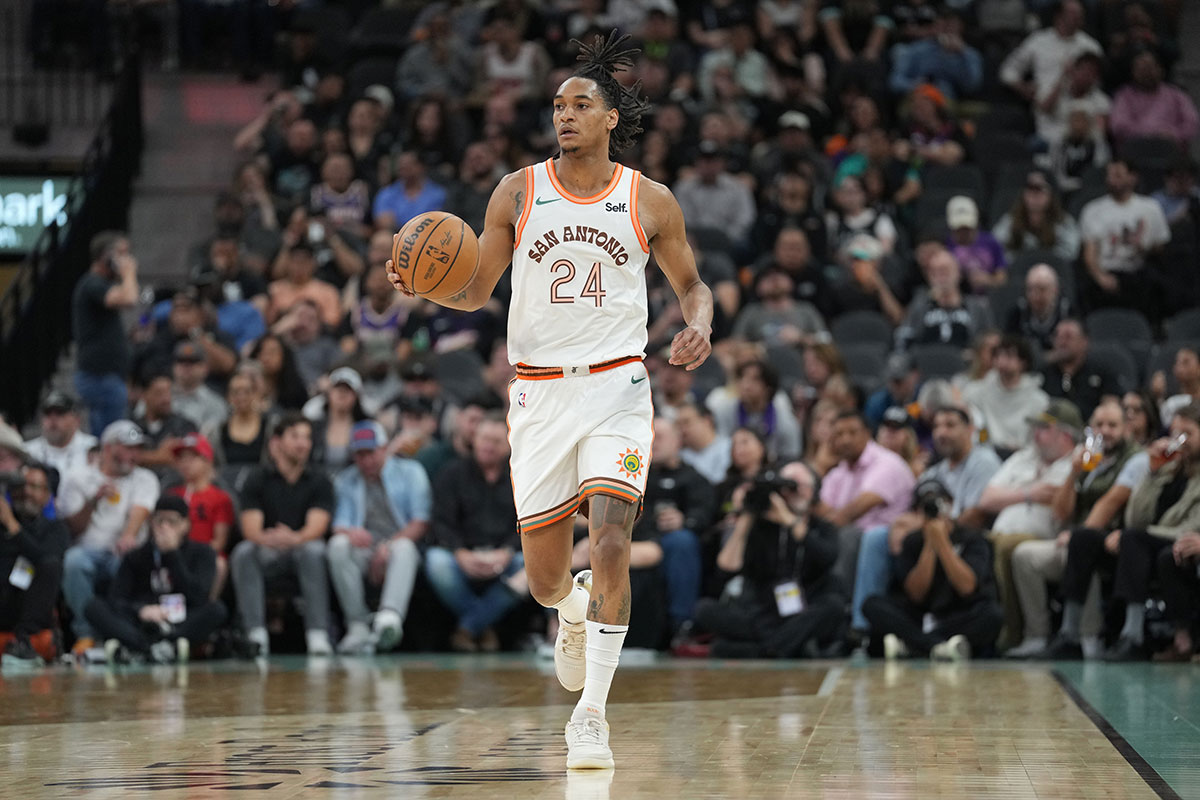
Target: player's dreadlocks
x=600, y=61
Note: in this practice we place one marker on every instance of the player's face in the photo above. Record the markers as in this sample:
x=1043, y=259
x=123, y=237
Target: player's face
x=581, y=120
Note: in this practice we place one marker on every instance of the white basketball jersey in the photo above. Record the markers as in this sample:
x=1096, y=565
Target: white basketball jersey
x=579, y=273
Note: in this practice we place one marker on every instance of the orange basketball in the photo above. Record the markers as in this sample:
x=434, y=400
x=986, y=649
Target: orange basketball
x=436, y=254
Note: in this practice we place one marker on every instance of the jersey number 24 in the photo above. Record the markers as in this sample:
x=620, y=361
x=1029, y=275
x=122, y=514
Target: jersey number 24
x=592, y=287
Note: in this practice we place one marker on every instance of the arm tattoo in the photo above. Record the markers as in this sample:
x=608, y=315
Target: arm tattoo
x=605, y=510
x=518, y=201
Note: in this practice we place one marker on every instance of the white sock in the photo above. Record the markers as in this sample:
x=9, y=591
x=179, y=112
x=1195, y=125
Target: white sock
x=603, y=653
x=572, y=609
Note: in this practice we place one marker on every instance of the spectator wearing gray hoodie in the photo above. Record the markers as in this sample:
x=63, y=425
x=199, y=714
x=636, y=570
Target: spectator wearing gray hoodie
x=1008, y=395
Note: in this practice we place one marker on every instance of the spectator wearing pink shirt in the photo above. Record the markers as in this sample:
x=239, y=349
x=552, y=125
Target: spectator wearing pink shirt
x=870, y=486
x=1148, y=107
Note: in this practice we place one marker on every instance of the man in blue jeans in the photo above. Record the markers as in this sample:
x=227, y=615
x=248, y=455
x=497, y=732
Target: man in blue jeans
x=475, y=565
x=964, y=470
x=103, y=355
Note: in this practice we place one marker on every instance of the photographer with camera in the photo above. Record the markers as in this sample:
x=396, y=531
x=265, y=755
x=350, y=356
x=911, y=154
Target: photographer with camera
x=31, y=555
x=948, y=608
x=790, y=603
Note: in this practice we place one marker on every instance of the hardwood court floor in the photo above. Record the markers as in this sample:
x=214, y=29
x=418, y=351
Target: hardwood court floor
x=492, y=728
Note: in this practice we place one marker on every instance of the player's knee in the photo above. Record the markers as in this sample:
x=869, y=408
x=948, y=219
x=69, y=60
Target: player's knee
x=609, y=549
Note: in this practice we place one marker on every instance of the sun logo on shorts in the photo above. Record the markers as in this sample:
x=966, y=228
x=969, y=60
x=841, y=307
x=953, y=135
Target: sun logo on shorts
x=630, y=463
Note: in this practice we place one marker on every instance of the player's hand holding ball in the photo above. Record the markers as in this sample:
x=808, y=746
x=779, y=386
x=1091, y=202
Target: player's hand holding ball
x=434, y=256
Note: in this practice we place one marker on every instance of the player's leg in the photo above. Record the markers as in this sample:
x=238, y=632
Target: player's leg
x=547, y=552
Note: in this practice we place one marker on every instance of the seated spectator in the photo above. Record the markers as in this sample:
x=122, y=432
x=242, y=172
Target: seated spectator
x=1040, y=61
x=896, y=433
x=438, y=63
x=703, y=449
x=856, y=36
x=1037, y=221
x=508, y=63
x=1164, y=507
x=1186, y=371
x=777, y=318
x=946, y=573
x=105, y=507
x=818, y=438
x=478, y=175
x=62, y=444
x=334, y=413
x=238, y=319
x=367, y=142
x=281, y=386
x=983, y=353
x=434, y=134
x=862, y=287
x=210, y=508
x=32, y=547
x=416, y=430
x=977, y=251
x=749, y=68
x=412, y=193
x=190, y=396
x=1178, y=572
x=299, y=284
x=790, y=603
x=294, y=166
x=964, y=470
x=1008, y=396
x=784, y=167
x=286, y=508
x=713, y=198
x=240, y=442
x=1119, y=231
x=340, y=200
x=941, y=314
x=1037, y=312
x=822, y=363
x=187, y=320
x=901, y=382
x=335, y=252
x=852, y=214
x=748, y=457
x=383, y=511
x=163, y=428
x=1074, y=374
x=1090, y=504
x=757, y=402
x=674, y=387
x=372, y=329
x=159, y=604
x=1179, y=197
x=1077, y=91
x=931, y=134
x=1021, y=494
x=1141, y=417
x=314, y=348
x=940, y=58
x=474, y=561
x=1149, y=107
x=679, y=506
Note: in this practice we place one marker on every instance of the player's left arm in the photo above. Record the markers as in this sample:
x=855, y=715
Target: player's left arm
x=662, y=220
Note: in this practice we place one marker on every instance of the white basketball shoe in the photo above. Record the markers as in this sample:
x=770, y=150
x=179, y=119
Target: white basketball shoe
x=570, y=646
x=587, y=744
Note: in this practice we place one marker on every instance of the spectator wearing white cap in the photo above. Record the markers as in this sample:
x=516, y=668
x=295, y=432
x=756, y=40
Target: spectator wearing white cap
x=383, y=509
x=791, y=151
x=980, y=256
x=333, y=414
x=62, y=444
x=106, y=507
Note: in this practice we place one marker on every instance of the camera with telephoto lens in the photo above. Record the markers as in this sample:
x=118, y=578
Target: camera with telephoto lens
x=932, y=498
x=758, y=497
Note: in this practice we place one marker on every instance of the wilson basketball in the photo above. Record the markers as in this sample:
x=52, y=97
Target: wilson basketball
x=436, y=254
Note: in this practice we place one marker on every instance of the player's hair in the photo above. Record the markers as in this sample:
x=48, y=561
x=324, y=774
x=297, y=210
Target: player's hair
x=600, y=62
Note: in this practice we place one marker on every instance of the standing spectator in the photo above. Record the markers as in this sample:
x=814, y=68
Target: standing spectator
x=1119, y=231
x=942, y=58
x=103, y=358
x=1072, y=373
x=413, y=193
x=1037, y=221
x=757, y=402
x=780, y=545
x=703, y=449
x=383, y=511
x=105, y=507
x=210, y=508
x=1040, y=61
x=474, y=563
x=28, y=597
x=778, y=318
x=159, y=603
x=62, y=445
x=977, y=251
x=946, y=574
x=1148, y=107
x=1008, y=396
x=1037, y=312
x=286, y=507
x=942, y=314
x=164, y=429
x=190, y=397
x=714, y=199
x=1021, y=493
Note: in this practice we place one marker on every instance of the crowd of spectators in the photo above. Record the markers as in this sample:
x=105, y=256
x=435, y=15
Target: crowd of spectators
x=955, y=374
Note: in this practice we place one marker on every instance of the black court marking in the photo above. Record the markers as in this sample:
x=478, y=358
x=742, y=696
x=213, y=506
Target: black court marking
x=1139, y=764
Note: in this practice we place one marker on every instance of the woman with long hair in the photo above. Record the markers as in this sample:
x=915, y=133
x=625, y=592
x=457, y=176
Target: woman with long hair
x=822, y=360
x=333, y=414
x=240, y=442
x=818, y=438
x=1141, y=417
x=283, y=388
x=1037, y=221
x=748, y=456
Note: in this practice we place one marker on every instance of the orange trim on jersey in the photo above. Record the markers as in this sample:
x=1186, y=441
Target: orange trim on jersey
x=596, y=198
x=633, y=211
x=528, y=205
x=529, y=373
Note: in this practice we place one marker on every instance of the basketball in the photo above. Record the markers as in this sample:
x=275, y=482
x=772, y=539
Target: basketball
x=436, y=254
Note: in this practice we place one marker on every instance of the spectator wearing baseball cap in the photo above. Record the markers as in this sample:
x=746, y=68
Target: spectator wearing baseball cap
x=190, y=396
x=382, y=512
x=896, y=433
x=982, y=258
x=334, y=414
x=62, y=444
x=105, y=506
x=902, y=381
x=210, y=508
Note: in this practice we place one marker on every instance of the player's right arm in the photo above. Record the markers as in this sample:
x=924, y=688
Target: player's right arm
x=495, y=245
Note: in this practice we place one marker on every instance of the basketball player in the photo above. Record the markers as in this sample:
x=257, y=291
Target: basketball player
x=578, y=229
